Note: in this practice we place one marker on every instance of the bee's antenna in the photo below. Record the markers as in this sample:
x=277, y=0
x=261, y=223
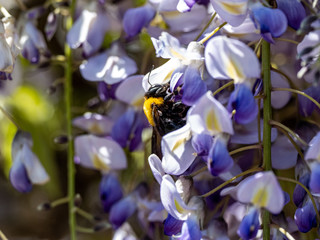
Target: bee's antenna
x=150, y=74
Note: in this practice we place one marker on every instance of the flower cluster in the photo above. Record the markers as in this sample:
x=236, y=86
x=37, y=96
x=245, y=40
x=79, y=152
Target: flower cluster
x=193, y=120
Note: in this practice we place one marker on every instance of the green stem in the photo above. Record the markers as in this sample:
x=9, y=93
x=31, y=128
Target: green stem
x=288, y=40
x=308, y=192
x=231, y=180
x=288, y=130
x=68, y=103
x=202, y=41
x=298, y=92
x=266, y=73
x=223, y=87
x=84, y=214
x=206, y=26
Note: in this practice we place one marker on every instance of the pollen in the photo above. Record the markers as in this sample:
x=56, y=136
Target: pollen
x=147, y=107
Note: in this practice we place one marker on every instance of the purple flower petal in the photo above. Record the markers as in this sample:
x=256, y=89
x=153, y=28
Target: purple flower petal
x=110, y=191
x=260, y=190
x=19, y=177
x=172, y=226
x=135, y=19
x=244, y=103
x=121, y=211
x=194, y=87
x=249, y=225
x=234, y=12
x=305, y=217
x=156, y=167
x=315, y=179
x=283, y=153
x=294, y=11
x=219, y=160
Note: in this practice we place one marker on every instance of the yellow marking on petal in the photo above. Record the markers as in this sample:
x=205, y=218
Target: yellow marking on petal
x=95, y=129
x=234, y=8
x=233, y=70
x=261, y=197
x=138, y=102
x=177, y=54
x=147, y=108
x=99, y=164
x=212, y=122
x=179, y=143
x=178, y=206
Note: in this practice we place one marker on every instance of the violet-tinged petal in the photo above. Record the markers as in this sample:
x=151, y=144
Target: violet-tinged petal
x=106, y=91
x=232, y=11
x=262, y=190
x=294, y=11
x=121, y=211
x=299, y=193
x=36, y=172
x=156, y=167
x=35, y=12
x=202, y=143
x=306, y=107
x=111, y=66
x=244, y=103
x=110, y=191
x=96, y=34
x=135, y=19
x=172, y=226
x=35, y=35
x=79, y=31
x=190, y=230
x=279, y=98
x=168, y=46
x=122, y=128
x=19, y=177
x=94, y=123
x=184, y=22
x=51, y=25
x=172, y=200
x=313, y=152
x=185, y=5
x=177, y=151
x=315, y=179
x=209, y=116
x=177, y=79
x=228, y=58
x=99, y=153
x=249, y=225
x=136, y=135
x=219, y=160
x=305, y=217
x=283, y=153
x=194, y=87
x=30, y=52
x=268, y=20
x=134, y=97
x=309, y=40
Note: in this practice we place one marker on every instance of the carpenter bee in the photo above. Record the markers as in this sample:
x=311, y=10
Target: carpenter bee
x=164, y=111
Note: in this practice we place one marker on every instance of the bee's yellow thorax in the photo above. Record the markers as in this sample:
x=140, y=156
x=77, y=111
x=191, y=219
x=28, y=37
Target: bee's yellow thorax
x=147, y=107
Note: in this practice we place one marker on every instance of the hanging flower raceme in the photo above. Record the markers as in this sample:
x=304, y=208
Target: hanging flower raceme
x=26, y=169
x=231, y=59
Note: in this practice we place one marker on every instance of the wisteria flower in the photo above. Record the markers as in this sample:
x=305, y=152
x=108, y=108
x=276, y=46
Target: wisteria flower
x=26, y=169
